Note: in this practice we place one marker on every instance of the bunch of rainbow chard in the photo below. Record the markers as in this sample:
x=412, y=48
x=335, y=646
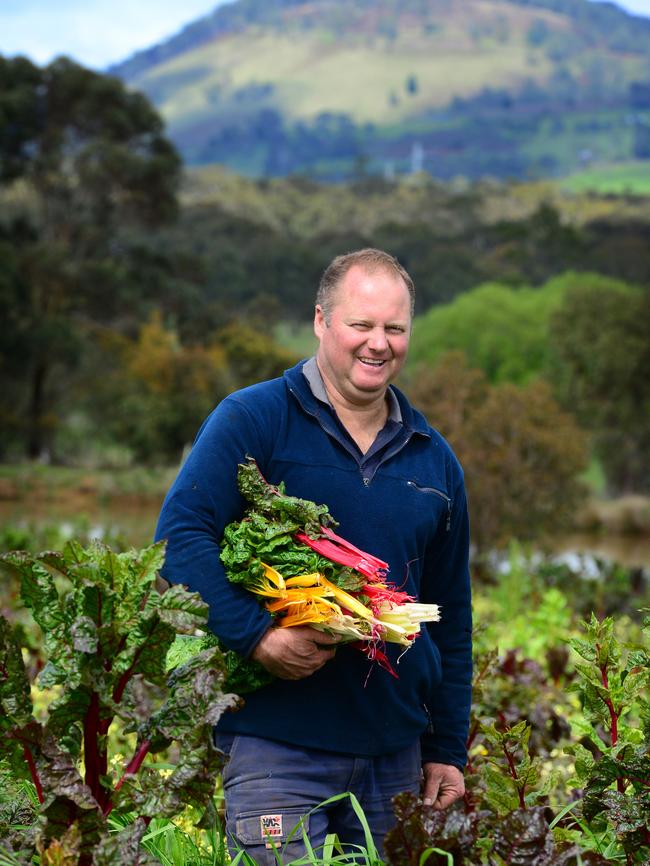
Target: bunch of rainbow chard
x=285, y=551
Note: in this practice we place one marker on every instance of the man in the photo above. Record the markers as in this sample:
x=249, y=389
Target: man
x=335, y=431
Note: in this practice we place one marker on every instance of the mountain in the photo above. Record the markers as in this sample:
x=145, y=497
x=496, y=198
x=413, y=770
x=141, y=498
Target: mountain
x=332, y=89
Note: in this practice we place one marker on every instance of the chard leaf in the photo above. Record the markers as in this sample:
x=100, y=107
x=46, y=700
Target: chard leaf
x=195, y=697
x=523, y=838
x=584, y=764
x=84, y=635
x=627, y=814
x=144, y=651
x=60, y=776
x=64, y=851
x=191, y=783
x=185, y=646
x=501, y=793
x=38, y=590
x=140, y=700
x=242, y=675
x=124, y=847
x=61, y=813
x=15, y=698
x=270, y=500
x=185, y=611
x=65, y=718
x=422, y=835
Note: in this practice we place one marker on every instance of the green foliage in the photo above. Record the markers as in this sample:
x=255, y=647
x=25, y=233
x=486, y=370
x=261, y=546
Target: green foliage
x=504, y=331
x=537, y=612
x=558, y=759
x=91, y=162
x=106, y=632
x=512, y=793
x=241, y=675
x=600, y=373
x=612, y=763
x=165, y=390
x=522, y=454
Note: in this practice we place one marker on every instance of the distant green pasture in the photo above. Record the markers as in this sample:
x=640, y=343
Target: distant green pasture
x=629, y=178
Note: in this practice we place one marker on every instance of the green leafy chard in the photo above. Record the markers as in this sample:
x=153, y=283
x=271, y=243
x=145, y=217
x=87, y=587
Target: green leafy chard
x=106, y=634
x=614, y=771
x=273, y=502
x=266, y=535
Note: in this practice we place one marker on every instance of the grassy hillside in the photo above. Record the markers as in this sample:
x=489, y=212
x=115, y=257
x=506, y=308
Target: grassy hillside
x=631, y=178
x=474, y=87
x=365, y=74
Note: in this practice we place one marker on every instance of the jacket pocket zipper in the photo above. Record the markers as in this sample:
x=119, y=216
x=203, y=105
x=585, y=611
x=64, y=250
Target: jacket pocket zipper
x=437, y=493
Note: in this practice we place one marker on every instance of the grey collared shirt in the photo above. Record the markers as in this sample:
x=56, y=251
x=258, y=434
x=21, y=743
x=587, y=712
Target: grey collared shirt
x=368, y=462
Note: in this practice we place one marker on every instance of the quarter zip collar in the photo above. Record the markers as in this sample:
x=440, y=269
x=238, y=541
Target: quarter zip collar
x=299, y=385
x=312, y=374
x=390, y=440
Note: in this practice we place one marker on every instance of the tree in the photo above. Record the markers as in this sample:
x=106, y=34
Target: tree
x=602, y=357
x=166, y=388
x=163, y=388
x=82, y=160
x=502, y=330
x=520, y=451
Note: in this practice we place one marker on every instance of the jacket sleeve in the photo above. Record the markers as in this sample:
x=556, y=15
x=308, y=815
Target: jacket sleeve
x=203, y=499
x=447, y=583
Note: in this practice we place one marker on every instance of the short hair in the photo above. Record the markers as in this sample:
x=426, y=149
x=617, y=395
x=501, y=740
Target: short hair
x=370, y=260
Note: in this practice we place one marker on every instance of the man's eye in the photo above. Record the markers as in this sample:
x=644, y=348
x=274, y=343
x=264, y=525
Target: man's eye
x=363, y=326
x=395, y=329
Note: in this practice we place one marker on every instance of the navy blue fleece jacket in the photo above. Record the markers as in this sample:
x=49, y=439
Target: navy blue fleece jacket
x=403, y=502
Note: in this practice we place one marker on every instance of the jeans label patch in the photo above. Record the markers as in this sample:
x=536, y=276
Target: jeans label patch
x=270, y=828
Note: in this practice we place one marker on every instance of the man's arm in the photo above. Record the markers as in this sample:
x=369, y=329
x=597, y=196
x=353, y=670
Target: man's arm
x=202, y=501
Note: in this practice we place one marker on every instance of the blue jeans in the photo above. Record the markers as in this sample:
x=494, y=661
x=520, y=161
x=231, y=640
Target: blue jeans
x=271, y=787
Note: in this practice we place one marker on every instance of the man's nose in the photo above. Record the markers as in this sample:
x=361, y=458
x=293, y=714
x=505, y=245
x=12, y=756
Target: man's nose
x=377, y=340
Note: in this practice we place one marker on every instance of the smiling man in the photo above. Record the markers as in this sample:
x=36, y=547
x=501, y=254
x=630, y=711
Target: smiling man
x=336, y=431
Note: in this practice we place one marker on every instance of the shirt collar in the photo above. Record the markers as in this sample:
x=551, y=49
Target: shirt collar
x=313, y=376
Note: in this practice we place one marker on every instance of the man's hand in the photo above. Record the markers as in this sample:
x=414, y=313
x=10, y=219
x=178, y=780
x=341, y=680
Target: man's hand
x=296, y=652
x=443, y=785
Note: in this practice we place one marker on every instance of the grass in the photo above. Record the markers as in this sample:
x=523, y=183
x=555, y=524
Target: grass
x=181, y=842
x=38, y=481
x=363, y=74
x=626, y=178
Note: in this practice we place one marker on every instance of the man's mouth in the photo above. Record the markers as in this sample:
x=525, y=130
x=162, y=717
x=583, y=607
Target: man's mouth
x=372, y=362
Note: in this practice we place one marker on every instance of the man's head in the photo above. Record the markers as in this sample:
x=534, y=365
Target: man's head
x=370, y=260
x=363, y=324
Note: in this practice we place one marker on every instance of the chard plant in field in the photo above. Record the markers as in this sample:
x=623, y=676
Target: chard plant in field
x=106, y=632
x=519, y=807
x=612, y=758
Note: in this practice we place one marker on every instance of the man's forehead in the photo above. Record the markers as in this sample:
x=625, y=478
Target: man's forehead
x=360, y=270
x=366, y=278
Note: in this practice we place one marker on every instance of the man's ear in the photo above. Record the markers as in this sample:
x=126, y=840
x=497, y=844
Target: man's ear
x=319, y=321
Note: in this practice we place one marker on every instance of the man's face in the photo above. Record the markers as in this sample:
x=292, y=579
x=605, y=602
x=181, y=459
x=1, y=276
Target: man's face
x=364, y=345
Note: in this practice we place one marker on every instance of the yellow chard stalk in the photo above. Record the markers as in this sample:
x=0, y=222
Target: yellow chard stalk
x=311, y=599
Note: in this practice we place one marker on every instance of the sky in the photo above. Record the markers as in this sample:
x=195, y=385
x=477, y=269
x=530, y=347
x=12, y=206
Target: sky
x=97, y=33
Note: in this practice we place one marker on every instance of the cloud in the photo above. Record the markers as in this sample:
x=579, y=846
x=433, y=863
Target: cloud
x=93, y=32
